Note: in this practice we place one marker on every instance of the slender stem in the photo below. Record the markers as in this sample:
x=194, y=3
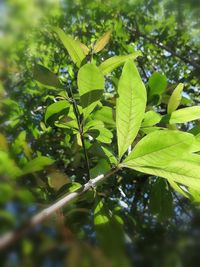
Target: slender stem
x=80, y=127
x=10, y=238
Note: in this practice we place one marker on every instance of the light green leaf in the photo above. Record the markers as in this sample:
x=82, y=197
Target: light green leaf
x=85, y=49
x=104, y=114
x=177, y=188
x=102, y=42
x=148, y=130
x=195, y=195
x=73, y=46
x=183, y=115
x=130, y=106
x=157, y=84
x=185, y=171
x=56, y=109
x=100, y=215
x=8, y=166
x=37, y=164
x=91, y=85
x=98, y=131
x=46, y=77
x=159, y=148
x=196, y=144
x=109, y=154
x=151, y=118
x=175, y=98
x=112, y=63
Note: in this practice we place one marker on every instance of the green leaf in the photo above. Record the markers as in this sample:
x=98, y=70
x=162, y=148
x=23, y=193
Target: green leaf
x=56, y=109
x=130, y=106
x=183, y=115
x=102, y=42
x=195, y=130
x=104, y=114
x=91, y=85
x=195, y=195
x=112, y=63
x=109, y=230
x=150, y=129
x=8, y=166
x=157, y=84
x=37, y=164
x=159, y=148
x=177, y=188
x=185, y=171
x=196, y=144
x=161, y=200
x=103, y=152
x=98, y=131
x=101, y=168
x=73, y=46
x=175, y=98
x=46, y=77
x=151, y=118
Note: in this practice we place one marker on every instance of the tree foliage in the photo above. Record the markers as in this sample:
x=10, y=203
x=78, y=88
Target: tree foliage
x=89, y=91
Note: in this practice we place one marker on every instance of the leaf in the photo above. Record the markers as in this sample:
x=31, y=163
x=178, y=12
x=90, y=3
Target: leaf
x=91, y=85
x=185, y=171
x=148, y=130
x=73, y=46
x=103, y=152
x=104, y=114
x=56, y=109
x=112, y=63
x=195, y=130
x=184, y=115
x=96, y=128
x=157, y=84
x=46, y=77
x=196, y=144
x=85, y=49
x=177, y=188
x=195, y=195
x=109, y=231
x=57, y=179
x=101, y=168
x=161, y=200
x=159, y=148
x=8, y=166
x=130, y=106
x=102, y=42
x=3, y=143
x=151, y=118
x=37, y=164
x=175, y=98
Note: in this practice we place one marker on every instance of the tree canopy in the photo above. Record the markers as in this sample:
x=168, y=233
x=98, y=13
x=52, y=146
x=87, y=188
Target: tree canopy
x=99, y=133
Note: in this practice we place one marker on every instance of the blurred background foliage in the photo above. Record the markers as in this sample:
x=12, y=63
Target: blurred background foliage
x=146, y=228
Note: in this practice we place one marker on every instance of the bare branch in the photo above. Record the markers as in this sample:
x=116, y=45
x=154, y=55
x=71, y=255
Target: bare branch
x=10, y=238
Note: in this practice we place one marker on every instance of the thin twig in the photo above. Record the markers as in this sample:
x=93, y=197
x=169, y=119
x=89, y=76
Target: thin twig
x=10, y=238
x=194, y=64
x=80, y=127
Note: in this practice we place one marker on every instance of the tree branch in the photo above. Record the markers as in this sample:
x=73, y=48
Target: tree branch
x=186, y=60
x=194, y=64
x=10, y=238
x=80, y=127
